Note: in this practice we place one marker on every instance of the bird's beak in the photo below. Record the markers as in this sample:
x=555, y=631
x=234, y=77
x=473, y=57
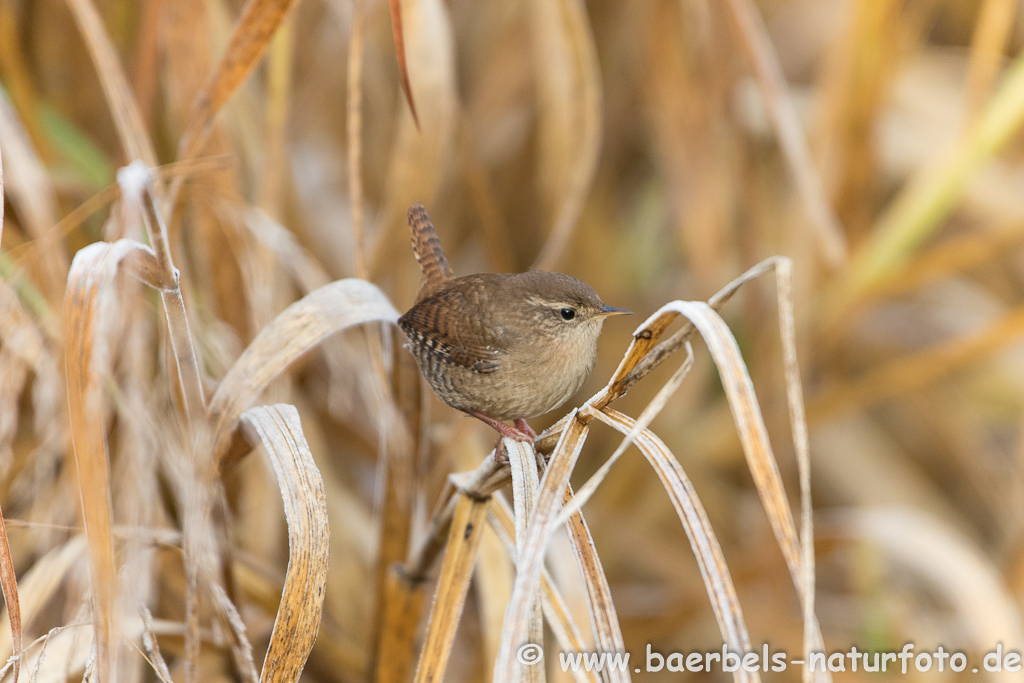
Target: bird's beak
x=611, y=310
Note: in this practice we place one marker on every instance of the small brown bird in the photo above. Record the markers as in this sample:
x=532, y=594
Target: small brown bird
x=506, y=346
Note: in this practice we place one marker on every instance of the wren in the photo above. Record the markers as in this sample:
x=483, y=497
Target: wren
x=500, y=346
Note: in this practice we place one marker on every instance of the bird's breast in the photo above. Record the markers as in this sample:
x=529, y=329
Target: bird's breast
x=548, y=371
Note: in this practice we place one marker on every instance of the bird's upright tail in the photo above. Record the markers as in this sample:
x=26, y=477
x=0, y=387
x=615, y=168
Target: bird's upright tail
x=429, y=254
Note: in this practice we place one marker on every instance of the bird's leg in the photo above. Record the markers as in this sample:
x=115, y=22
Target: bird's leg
x=524, y=426
x=504, y=429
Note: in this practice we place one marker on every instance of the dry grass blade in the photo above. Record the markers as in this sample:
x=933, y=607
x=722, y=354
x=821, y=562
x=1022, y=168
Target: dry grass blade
x=555, y=609
x=747, y=415
x=302, y=488
x=706, y=548
x=420, y=155
x=579, y=109
x=9, y=582
x=754, y=37
x=452, y=584
x=656, y=405
x=399, y=620
x=154, y=655
x=62, y=651
x=603, y=617
x=250, y=38
x=298, y=328
x=241, y=649
x=525, y=481
x=646, y=353
x=115, y=84
x=136, y=183
x=531, y=558
x=490, y=477
x=398, y=33
x=88, y=303
x=750, y=425
x=801, y=446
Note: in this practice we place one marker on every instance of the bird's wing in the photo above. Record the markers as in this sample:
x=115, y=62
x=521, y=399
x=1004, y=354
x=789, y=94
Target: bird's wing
x=427, y=247
x=454, y=337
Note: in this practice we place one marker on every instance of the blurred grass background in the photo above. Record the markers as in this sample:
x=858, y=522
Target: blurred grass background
x=654, y=138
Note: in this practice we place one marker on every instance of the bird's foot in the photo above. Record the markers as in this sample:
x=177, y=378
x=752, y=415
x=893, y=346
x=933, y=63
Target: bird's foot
x=524, y=426
x=500, y=455
x=521, y=432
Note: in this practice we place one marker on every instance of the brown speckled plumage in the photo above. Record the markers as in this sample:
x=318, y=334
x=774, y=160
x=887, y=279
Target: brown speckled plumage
x=429, y=254
x=509, y=346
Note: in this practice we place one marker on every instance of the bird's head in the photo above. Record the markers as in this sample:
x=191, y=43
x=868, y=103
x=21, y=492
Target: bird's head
x=564, y=308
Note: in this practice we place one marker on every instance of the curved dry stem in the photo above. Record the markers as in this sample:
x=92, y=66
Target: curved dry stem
x=305, y=507
x=294, y=331
x=250, y=38
x=584, y=493
x=9, y=582
x=556, y=611
x=603, y=617
x=531, y=556
x=91, y=294
x=707, y=550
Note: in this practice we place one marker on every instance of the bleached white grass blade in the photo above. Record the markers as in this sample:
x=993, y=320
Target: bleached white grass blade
x=522, y=462
x=698, y=529
x=294, y=331
x=801, y=447
x=750, y=426
x=538, y=534
x=603, y=617
x=556, y=611
x=656, y=405
x=90, y=304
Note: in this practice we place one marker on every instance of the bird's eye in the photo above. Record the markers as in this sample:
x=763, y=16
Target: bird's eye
x=567, y=313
